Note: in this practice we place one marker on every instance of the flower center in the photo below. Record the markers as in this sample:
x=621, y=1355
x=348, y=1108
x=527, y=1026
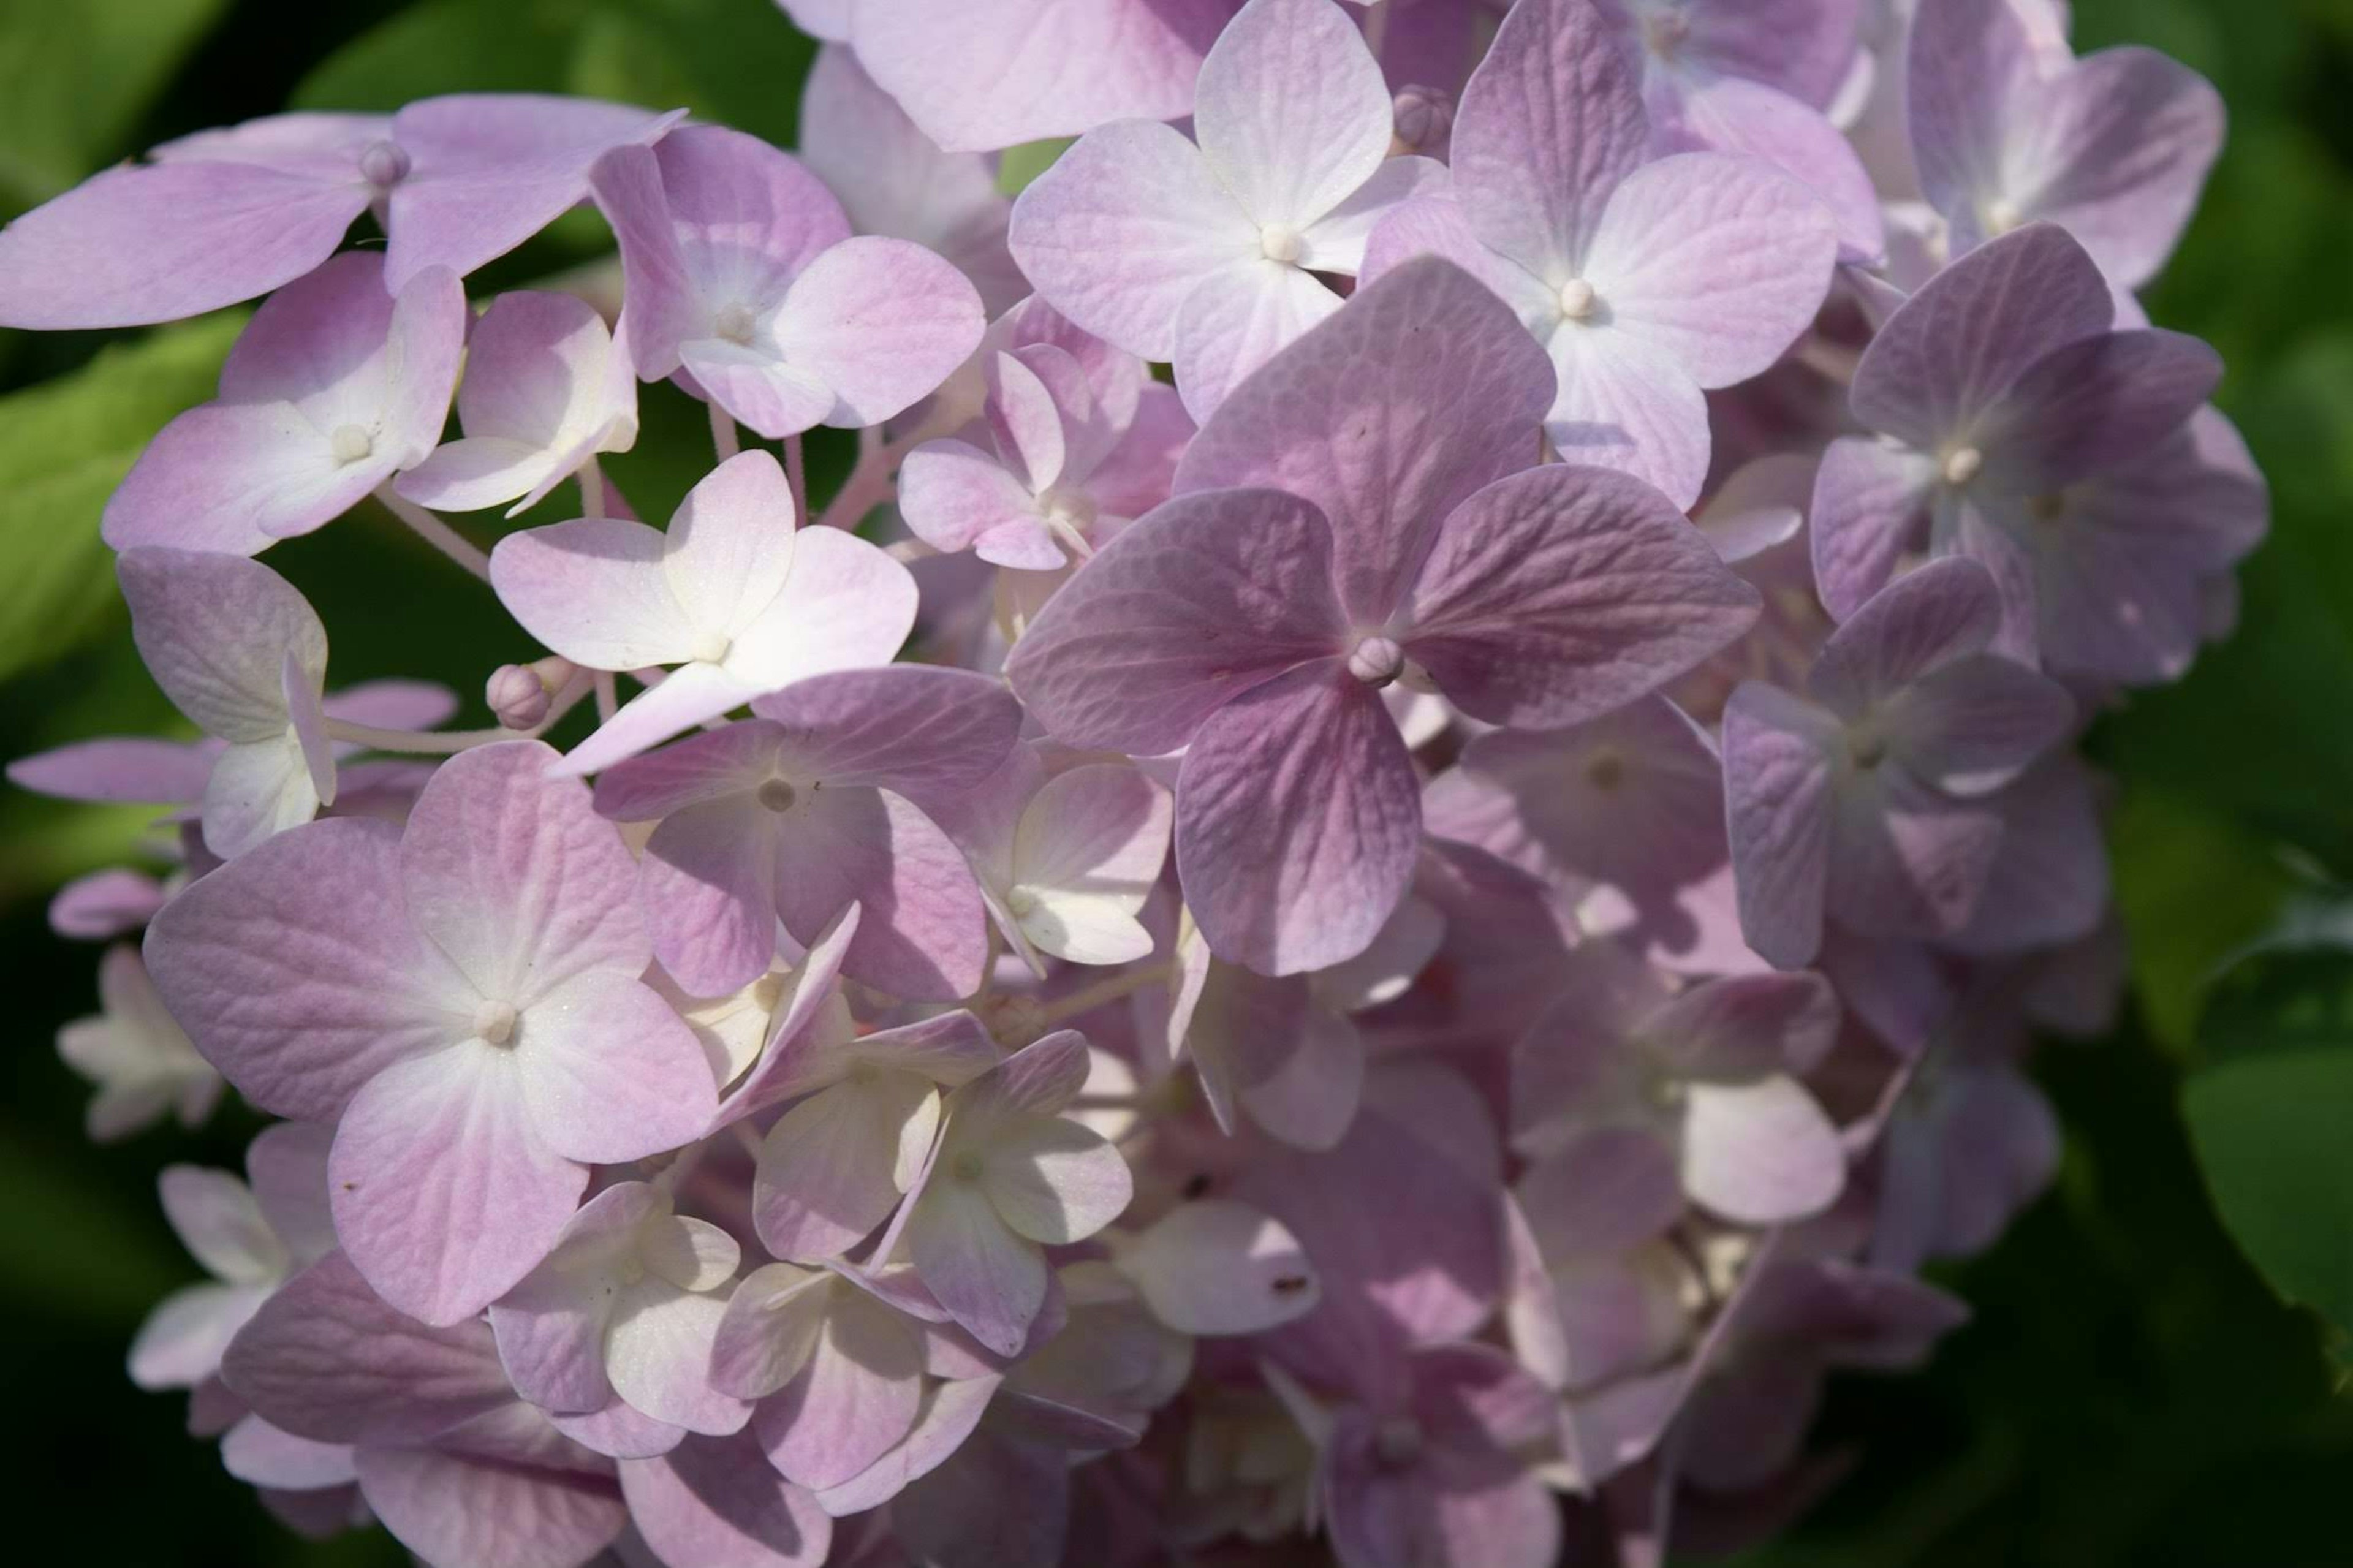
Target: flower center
x=350, y=443
x=384, y=163
x=1606, y=770
x=1962, y=464
x=1021, y=901
x=777, y=795
x=2002, y=216
x=736, y=323
x=967, y=1166
x=1279, y=242
x=1577, y=300
x=712, y=648
x=2047, y=509
x=1377, y=662
x=1666, y=32
x=1866, y=746
x=495, y=1022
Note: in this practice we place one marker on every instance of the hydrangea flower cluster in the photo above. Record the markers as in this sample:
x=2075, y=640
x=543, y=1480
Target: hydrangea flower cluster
x=1389, y=944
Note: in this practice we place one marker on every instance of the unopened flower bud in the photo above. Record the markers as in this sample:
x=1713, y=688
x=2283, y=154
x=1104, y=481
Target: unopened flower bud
x=516, y=697
x=1424, y=120
x=384, y=163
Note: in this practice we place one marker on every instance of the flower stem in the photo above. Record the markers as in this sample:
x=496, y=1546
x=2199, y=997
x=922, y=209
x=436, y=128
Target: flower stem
x=435, y=532
x=723, y=437
x=592, y=488
x=449, y=743
x=797, y=476
x=1127, y=981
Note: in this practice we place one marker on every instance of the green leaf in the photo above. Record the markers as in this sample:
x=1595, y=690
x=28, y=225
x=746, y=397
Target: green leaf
x=447, y=46
x=1017, y=166
x=2271, y=1130
x=2194, y=890
x=64, y=445
x=75, y=75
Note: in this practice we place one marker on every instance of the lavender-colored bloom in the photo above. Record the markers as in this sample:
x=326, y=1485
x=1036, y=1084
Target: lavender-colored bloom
x=733, y=593
x=250, y=1237
x=833, y=1167
x=743, y=273
x=1010, y=1175
x=2004, y=398
x=2008, y=129
x=834, y=1361
x=1066, y=855
x=463, y=994
x=422, y=1419
x=1708, y=1076
x=332, y=388
x=1866, y=801
x=625, y=1305
x=1738, y=75
x=142, y=1062
x=1215, y=243
x=812, y=804
x=546, y=390
x=1647, y=281
x=226, y=215
x=1256, y=626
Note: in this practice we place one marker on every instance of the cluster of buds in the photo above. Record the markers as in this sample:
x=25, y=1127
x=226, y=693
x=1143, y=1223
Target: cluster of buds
x=1405, y=930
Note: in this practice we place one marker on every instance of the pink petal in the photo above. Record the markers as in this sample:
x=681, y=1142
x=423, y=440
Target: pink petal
x=1240, y=317
x=1952, y=349
x=234, y=477
x=1214, y=1267
x=658, y=1352
x=1204, y=600
x=1777, y=783
x=1558, y=593
x=296, y=971
x=1870, y=508
x=127, y=769
x=845, y=605
x=215, y=631
x=949, y=1413
x=1297, y=815
x=181, y=1343
x=1731, y=114
x=1548, y=125
x=834, y=1166
x=594, y=590
x=716, y=1501
x=550, y=1328
x=1054, y=1181
x=1924, y=620
x=1626, y=404
x=1056, y=68
x=493, y=169
x=444, y=1193
x=1291, y=110
x=882, y=323
x=450, y=1509
x=1761, y=1153
x=1384, y=443
x=922, y=932
x=1143, y=195
x=690, y=695
x=991, y=1280
x=515, y=877
x=135, y=245
x=923, y=732
x=1721, y=262
x=709, y=882
x=1907, y=859
x=853, y=1401
x=328, y=1360
x=610, y=1073
x=952, y=494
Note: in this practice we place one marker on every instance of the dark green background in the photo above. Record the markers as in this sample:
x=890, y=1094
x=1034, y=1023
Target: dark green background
x=2132, y=1391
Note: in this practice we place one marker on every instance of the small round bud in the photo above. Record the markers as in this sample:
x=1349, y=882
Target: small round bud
x=1280, y=242
x=1377, y=662
x=517, y=696
x=1424, y=118
x=1577, y=300
x=777, y=795
x=351, y=443
x=1962, y=464
x=384, y=163
x=2002, y=216
x=711, y=647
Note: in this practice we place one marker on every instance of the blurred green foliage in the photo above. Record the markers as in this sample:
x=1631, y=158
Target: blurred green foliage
x=2131, y=1391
